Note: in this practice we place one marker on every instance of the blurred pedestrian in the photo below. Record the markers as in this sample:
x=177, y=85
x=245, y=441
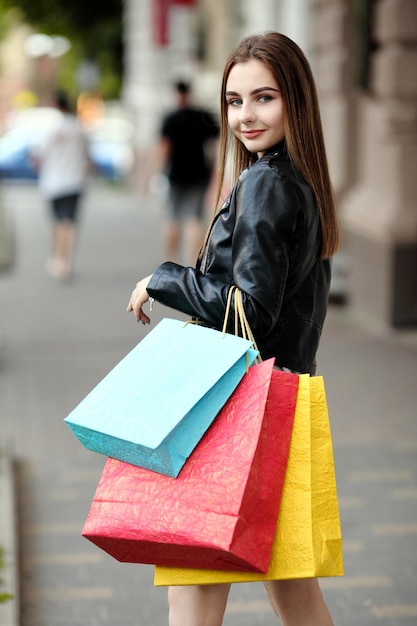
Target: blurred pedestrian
x=62, y=162
x=186, y=151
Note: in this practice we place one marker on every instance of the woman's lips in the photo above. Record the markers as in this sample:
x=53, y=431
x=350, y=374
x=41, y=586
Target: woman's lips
x=252, y=134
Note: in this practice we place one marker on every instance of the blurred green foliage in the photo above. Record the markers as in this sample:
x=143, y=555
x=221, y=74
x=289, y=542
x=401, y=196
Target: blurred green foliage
x=94, y=28
x=3, y=596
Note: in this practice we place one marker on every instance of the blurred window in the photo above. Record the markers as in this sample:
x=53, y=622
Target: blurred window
x=365, y=43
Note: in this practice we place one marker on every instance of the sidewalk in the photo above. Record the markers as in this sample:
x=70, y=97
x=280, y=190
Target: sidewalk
x=57, y=341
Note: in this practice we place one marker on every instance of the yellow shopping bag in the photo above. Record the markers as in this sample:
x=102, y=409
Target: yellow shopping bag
x=308, y=539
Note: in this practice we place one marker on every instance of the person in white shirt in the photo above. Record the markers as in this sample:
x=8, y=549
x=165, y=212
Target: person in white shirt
x=63, y=163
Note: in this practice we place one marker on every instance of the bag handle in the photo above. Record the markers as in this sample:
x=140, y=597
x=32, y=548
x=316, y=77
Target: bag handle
x=241, y=321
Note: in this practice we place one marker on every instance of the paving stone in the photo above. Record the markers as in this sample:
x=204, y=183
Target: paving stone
x=58, y=340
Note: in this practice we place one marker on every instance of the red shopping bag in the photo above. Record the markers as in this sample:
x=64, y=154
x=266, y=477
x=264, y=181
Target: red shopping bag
x=221, y=511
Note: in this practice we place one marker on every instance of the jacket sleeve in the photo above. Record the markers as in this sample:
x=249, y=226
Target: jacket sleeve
x=266, y=215
x=187, y=290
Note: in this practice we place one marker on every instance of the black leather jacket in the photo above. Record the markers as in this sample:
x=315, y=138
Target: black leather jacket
x=266, y=239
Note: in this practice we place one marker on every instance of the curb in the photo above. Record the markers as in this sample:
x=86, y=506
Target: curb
x=9, y=610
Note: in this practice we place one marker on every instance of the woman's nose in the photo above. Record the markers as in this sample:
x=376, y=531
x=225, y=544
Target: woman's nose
x=246, y=113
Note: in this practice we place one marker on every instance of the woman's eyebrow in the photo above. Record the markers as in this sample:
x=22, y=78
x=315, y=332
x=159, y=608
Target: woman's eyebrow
x=254, y=91
x=259, y=89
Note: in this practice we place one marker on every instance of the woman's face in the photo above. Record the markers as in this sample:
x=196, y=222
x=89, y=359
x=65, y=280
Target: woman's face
x=255, y=109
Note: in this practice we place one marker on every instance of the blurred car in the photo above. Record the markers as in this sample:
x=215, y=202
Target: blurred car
x=15, y=148
x=26, y=129
x=110, y=144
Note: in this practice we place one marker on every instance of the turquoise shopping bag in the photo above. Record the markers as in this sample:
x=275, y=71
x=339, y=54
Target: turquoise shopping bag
x=152, y=409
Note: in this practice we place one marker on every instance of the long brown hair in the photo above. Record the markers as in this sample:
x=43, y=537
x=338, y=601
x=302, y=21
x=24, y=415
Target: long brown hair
x=302, y=124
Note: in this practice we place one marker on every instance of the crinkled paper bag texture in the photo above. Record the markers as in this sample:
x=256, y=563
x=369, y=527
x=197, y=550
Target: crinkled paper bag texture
x=155, y=405
x=221, y=511
x=308, y=540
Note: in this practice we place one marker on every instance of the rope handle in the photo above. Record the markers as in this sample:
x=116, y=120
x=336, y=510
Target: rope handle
x=241, y=321
x=226, y=315
x=227, y=311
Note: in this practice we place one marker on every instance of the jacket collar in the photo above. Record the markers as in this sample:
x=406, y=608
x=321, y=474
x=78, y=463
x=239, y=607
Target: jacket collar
x=277, y=150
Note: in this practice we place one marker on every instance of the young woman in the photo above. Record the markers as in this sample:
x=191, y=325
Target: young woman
x=272, y=238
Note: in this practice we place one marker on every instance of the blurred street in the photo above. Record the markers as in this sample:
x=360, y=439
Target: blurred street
x=57, y=340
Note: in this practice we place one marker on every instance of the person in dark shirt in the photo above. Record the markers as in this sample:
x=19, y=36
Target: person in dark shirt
x=187, y=148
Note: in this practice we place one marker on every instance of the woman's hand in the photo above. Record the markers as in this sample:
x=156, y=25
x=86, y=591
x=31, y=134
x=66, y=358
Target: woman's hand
x=137, y=300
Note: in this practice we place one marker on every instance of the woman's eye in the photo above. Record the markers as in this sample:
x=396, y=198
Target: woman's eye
x=234, y=102
x=265, y=98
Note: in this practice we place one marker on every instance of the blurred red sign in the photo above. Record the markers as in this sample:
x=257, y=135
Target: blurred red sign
x=161, y=18
x=160, y=21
